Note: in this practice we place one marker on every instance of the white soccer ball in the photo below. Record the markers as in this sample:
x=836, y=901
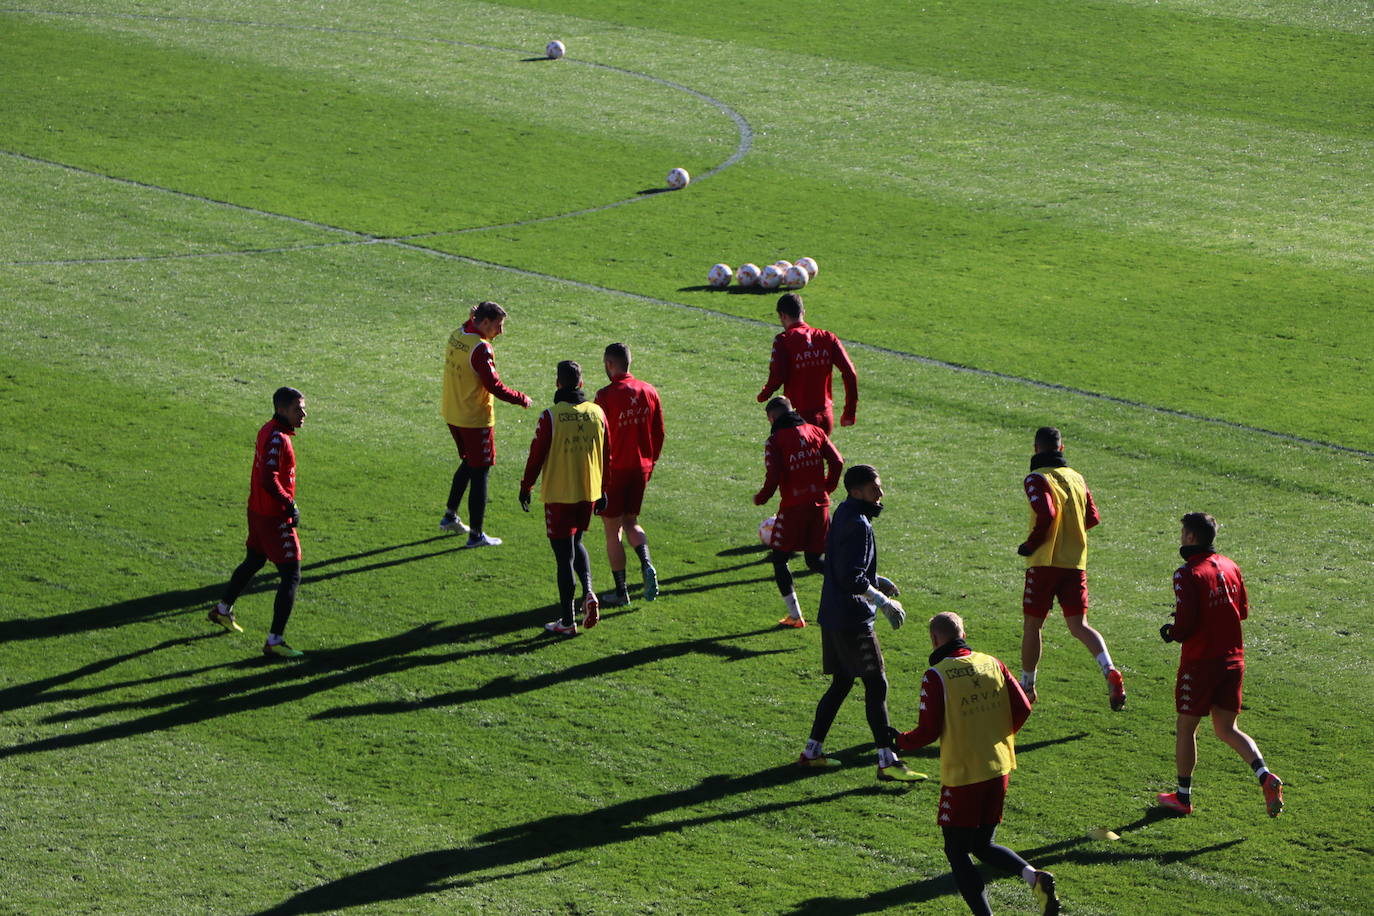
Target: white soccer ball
x=747, y=275
x=782, y=265
x=720, y=276
x=678, y=179
x=809, y=265
x=555, y=49
x=795, y=277
x=766, y=530
x=770, y=277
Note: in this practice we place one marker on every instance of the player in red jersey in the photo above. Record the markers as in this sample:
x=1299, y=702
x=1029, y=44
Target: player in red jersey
x=470, y=383
x=1209, y=603
x=272, y=521
x=635, y=419
x=802, y=362
x=973, y=707
x=800, y=460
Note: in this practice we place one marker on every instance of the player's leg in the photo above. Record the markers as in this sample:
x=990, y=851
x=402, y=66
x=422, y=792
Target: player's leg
x=1185, y=761
x=615, y=556
x=989, y=852
x=223, y=612
x=1072, y=591
x=450, y=520
x=639, y=541
x=815, y=561
x=1224, y=725
x=566, y=577
x=582, y=566
x=782, y=577
x=960, y=843
x=477, y=504
x=841, y=682
x=1036, y=600
x=281, y=610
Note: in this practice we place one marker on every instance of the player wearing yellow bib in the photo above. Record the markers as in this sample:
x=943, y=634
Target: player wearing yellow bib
x=573, y=451
x=973, y=707
x=1056, y=552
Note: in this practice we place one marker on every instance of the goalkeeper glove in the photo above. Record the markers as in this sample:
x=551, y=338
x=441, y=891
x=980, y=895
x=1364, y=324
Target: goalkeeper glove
x=888, y=587
x=1166, y=632
x=524, y=499
x=293, y=517
x=599, y=506
x=892, y=608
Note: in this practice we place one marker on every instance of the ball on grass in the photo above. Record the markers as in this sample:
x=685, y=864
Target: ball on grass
x=678, y=179
x=555, y=49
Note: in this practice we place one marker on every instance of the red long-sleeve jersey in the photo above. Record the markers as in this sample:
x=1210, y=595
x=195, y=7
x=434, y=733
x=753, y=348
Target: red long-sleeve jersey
x=802, y=362
x=635, y=417
x=801, y=460
x=1041, y=500
x=931, y=722
x=272, y=489
x=1209, y=603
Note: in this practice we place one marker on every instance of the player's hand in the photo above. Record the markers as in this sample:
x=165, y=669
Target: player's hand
x=760, y=498
x=763, y=396
x=893, y=736
x=293, y=517
x=525, y=499
x=1166, y=632
x=887, y=587
x=895, y=613
x=525, y=401
x=1024, y=550
x=599, y=506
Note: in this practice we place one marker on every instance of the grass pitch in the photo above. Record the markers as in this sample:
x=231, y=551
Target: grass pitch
x=1101, y=196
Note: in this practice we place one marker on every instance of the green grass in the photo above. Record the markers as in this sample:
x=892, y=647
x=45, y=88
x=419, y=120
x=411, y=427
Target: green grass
x=434, y=754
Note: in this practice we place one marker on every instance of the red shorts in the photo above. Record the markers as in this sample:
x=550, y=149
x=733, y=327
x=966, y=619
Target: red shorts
x=1207, y=683
x=476, y=445
x=563, y=520
x=823, y=417
x=271, y=535
x=1045, y=583
x=625, y=491
x=976, y=805
x=801, y=528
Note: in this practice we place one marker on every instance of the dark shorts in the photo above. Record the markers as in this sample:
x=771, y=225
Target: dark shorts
x=564, y=520
x=1211, y=682
x=625, y=491
x=272, y=536
x=801, y=528
x=1045, y=583
x=854, y=654
x=978, y=804
x=476, y=445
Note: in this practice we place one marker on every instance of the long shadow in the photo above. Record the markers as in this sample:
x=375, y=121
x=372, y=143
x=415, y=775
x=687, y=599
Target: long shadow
x=558, y=835
x=747, y=549
x=502, y=687
x=1065, y=851
x=166, y=604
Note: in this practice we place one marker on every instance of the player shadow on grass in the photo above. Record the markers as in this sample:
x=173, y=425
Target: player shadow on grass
x=564, y=837
x=508, y=686
x=169, y=604
x=1047, y=856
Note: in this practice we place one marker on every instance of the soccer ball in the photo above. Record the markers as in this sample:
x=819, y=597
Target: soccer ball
x=747, y=275
x=795, y=277
x=555, y=49
x=770, y=277
x=678, y=179
x=766, y=530
x=782, y=265
x=809, y=265
x=720, y=276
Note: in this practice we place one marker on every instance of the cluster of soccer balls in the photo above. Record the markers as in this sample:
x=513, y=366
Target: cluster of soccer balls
x=778, y=275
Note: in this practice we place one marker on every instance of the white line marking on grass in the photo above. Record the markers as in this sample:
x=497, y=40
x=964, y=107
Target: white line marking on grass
x=746, y=135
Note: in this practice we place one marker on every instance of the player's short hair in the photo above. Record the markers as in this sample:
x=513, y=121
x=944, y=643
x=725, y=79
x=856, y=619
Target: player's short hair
x=1047, y=438
x=285, y=396
x=569, y=374
x=778, y=404
x=487, y=309
x=790, y=304
x=859, y=475
x=1203, y=527
x=947, y=625
x=618, y=353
